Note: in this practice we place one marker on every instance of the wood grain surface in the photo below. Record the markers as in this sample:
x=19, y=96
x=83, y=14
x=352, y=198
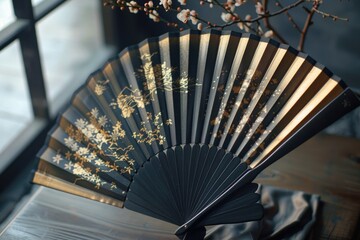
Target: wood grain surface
x=329, y=166
x=54, y=215
x=325, y=165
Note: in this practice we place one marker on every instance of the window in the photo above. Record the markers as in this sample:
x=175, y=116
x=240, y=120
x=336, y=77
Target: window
x=47, y=49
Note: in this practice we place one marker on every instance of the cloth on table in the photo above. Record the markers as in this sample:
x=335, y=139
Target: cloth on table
x=287, y=215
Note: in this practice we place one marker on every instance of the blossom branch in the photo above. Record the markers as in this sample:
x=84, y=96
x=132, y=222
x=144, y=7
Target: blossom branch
x=334, y=17
x=290, y=18
x=191, y=18
x=269, y=26
x=305, y=29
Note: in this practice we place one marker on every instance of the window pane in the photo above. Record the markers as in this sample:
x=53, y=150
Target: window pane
x=35, y=2
x=15, y=103
x=69, y=38
x=6, y=13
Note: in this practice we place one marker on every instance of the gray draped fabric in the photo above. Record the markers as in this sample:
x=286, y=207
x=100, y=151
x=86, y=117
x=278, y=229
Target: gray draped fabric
x=288, y=215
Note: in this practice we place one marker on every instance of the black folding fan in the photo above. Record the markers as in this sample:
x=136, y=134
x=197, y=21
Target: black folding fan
x=178, y=126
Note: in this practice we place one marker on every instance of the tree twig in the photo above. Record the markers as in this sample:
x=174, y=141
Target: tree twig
x=265, y=15
x=305, y=29
x=290, y=18
x=334, y=17
x=269, y=26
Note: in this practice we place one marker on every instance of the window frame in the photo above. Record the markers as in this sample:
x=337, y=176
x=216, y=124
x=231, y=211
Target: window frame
x=23, y=29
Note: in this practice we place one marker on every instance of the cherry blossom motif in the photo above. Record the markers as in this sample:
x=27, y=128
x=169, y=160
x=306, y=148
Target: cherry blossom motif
x=99, y=89
x=81, y=123
x=68, y=166
x=95, y=112
x=57, y=158
x=103, y=120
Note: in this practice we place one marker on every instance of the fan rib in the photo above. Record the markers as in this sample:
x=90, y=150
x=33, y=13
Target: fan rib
x=306, y=91
x=319, y=100
x=291, y=83
x=166, y=45
x=205, y=71
x=249, y=86
x=59, y=184
x=145, y=187
x=260, y=96
x=233, y=175
x=228, y=92
x=238, y=89
x=215, y=80
x=224, y=77
x=278, y=78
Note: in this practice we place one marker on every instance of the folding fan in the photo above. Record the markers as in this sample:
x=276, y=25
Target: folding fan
x=178, y=126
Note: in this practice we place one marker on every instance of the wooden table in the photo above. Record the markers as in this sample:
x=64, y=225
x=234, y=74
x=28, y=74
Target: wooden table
x=325, y=165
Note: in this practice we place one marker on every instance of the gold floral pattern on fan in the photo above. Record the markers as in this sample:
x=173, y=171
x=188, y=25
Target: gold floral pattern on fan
x=149, y=136
x=127, y=102
x=102, y=152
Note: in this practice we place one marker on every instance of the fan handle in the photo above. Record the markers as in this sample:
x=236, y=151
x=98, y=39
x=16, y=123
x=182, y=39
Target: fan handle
x=194, y=234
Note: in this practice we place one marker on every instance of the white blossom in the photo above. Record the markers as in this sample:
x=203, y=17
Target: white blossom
x=154, y=15
x=57, y=158
x=99, y=89
x=182, y=2
x=226, y=17
x=259, y=8
x=184, y=15
x=166, y=4
x=231, y=4
x=81, y=123
x=211, y=5
x=200, y=26
x=239, y=2
x=78, y=170
x=69, y=142
x=269, y=34
x=82, y=151
x=95, y=112
x=74, y=147
x=98, y=162
x=92, y=156
x=193, y=17
x=68, y=166
x=133, y=6
x=245, y=26
x=103, y=120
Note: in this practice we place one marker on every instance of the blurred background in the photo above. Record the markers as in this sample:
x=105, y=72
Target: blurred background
x=49, y=47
